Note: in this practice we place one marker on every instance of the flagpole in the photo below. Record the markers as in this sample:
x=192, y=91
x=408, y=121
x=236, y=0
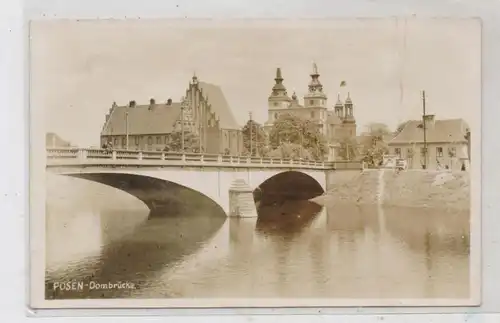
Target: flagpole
x=425, y=130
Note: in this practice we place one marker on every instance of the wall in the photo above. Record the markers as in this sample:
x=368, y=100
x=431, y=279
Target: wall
x=437, y=154
x=417, y=188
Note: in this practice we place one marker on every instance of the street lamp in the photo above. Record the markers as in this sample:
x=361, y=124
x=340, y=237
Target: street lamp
x=182, y=125
x=251, y=133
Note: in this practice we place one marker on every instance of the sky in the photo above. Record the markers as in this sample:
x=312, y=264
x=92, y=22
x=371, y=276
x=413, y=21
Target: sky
x=79, y=68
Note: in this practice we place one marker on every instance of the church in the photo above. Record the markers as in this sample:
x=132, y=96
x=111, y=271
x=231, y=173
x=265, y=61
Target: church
x=337, y=124
x=203, y=112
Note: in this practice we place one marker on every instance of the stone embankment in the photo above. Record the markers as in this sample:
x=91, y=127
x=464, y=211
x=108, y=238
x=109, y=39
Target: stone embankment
x=411, y=188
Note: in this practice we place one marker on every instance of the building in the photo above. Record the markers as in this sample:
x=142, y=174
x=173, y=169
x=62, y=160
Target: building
x=337, y=124
x=53, y=140
x=203, y=110
x=447, y=143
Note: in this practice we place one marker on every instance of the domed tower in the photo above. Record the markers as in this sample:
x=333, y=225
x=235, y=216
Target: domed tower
x=278, y=100
x=315, y=100
x=349, y=122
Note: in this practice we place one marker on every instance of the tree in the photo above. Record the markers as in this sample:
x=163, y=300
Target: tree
x=291, y=151
x=289, y=128
x=191, y=142
x=349, y=149
x=374, y=144
x=258, y=141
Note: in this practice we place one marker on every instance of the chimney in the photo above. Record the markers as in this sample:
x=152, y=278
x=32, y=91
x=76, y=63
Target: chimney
x=429, y=120
x=131, y=104
x=152, y=103
x=169, y=102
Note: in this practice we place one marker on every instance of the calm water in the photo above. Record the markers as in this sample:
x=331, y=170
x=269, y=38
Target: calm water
x=299, y=249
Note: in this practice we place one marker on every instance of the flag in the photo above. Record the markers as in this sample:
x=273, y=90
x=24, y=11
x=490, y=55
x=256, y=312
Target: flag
x=343, y=83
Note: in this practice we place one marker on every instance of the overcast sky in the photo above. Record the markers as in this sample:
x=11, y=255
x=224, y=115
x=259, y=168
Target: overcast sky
x=80, y=68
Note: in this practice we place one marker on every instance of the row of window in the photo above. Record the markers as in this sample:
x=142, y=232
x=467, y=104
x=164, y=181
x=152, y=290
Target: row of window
x=439, y=151
x=159, y=140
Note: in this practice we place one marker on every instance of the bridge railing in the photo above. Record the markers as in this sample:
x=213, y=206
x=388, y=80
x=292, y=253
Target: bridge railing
x=88, y=154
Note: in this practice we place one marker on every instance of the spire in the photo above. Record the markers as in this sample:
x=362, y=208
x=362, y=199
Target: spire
x=279, y=89
x=278, y=75
x=195, y=78
x=315, y=69
x=339, y=102
x=348, y=99
x=315, y=85
x=349, y=113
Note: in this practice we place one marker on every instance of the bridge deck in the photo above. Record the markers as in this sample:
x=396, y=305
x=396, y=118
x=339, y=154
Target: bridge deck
x=75, y=157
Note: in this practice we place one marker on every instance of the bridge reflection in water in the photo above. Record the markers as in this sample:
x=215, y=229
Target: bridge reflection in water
x=293, y=249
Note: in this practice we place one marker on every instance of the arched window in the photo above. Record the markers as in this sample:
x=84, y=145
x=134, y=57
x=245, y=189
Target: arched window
x=150, y=140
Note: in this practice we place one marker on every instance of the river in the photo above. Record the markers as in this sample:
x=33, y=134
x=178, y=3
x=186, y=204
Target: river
x=298, y=249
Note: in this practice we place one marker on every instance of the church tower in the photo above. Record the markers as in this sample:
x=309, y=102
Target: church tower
x=349, y=123
x=315, y=100
x=278, y=100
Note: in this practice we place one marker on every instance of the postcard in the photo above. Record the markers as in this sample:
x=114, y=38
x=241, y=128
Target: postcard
x=256, y=163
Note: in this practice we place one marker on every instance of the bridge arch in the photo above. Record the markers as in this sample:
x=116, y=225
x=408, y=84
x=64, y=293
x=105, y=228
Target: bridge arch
x=289, y=185
x=158, y=194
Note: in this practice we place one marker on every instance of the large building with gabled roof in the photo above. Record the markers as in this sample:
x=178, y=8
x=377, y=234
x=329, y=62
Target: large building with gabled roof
x=203, y=110
x=447, y=142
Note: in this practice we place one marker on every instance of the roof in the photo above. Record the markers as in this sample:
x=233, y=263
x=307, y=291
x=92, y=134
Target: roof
x=54, y=140
x=219, y=105
x=142, y=120
x=162, y=117
x=449, y=130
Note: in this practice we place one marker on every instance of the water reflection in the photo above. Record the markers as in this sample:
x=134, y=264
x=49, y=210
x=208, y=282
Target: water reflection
x=286, y=219
x=294, y=249
x=139, y=256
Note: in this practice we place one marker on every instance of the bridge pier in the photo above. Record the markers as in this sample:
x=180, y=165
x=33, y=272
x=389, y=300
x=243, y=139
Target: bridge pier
x=241, y=202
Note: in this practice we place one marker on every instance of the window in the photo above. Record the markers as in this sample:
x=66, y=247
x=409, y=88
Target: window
x=439, y=151
x=150, y=140
x=124, y=141
x=312, y=114
x=115, y=142
x=275, y=104
x=137, y=140
x=311, y=102
x=158, y=140
x=410, y=152
x=275, y=115
x=397, y=151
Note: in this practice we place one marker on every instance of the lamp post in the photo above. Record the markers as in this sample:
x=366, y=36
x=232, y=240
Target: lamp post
x=425, y=130
x=126, y=128
x=182, y=126
x=251, y=132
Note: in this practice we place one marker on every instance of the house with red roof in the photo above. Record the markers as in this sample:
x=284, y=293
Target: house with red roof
x=447, y=142
x=203, y=110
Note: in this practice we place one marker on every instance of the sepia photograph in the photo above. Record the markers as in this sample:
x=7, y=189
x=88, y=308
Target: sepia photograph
x=255, y=163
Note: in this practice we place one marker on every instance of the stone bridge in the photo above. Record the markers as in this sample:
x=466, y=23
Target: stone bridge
x=164, y=180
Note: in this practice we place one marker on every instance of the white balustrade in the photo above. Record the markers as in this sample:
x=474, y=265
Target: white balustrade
x=123, y=156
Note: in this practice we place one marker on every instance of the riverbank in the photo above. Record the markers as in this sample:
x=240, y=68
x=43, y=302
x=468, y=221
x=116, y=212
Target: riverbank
x=413, y=188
